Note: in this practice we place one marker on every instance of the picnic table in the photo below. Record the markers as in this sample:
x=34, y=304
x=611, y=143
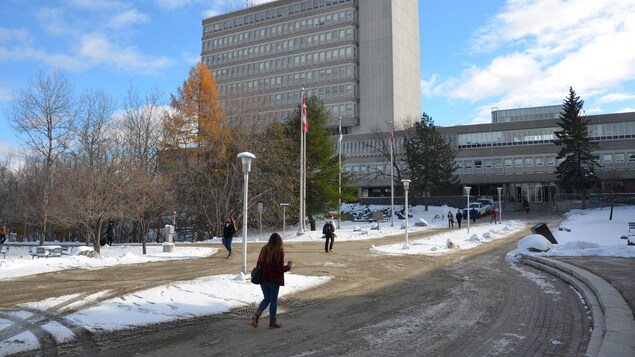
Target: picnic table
x=45, y=251
x=4, y=249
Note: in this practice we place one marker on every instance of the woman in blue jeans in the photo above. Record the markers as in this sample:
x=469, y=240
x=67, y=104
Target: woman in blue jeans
x=271, y=263
x=228, y=235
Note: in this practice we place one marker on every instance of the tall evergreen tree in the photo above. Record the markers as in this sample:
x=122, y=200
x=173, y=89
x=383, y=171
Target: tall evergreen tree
x=322, y=168
x=430, y=159
x=576, y=148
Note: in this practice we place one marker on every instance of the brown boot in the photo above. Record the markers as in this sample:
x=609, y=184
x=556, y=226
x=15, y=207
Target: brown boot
x=273, y=322
x=255, y=318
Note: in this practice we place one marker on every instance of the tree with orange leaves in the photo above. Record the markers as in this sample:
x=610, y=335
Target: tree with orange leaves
x=196, y=119
x=198, y=151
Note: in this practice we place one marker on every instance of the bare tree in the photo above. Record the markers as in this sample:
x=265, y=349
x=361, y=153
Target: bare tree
x=92, y=173
x=42, y=115
x=146, y=189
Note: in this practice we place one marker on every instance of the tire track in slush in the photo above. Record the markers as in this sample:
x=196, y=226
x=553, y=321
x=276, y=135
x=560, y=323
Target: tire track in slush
x=36, y=324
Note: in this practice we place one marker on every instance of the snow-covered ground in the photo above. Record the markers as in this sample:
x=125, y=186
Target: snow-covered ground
x=584, y=233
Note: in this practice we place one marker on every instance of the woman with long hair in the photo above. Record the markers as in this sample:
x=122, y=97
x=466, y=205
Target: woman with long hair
x=271, y=263
x=228, y=234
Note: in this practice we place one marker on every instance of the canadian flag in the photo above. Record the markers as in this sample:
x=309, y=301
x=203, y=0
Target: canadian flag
x=305, y=120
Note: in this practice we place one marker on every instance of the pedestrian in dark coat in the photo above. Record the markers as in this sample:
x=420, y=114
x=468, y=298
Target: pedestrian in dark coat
x=473, y=215
x=228, y=235
x=271, y=263
x=526, y=205
x=110, y=232
x=459, y=217
x=329, y=234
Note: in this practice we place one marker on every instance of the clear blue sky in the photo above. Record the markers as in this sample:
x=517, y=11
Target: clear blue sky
x=475, y=54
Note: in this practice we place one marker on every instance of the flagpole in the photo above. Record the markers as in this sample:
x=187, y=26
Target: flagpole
x=301, y=219
x=304, y=183
x=339, y=147
x=304, y=163
x=392, y=178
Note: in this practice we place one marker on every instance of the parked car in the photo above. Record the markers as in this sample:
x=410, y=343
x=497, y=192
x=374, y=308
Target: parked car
x=487, y=203
x=480, y=210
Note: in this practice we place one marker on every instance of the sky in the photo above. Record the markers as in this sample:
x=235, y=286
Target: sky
x=475, y=55
x=585, y=233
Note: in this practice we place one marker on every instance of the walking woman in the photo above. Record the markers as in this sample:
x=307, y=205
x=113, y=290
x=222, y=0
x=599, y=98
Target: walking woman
x=228, y=234
x=271, y=263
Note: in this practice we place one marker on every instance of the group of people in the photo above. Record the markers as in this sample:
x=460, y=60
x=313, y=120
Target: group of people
x=459, y=217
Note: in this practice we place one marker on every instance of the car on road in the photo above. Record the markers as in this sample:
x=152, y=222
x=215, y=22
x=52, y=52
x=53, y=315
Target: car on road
x=480, y=210
x=487, y=203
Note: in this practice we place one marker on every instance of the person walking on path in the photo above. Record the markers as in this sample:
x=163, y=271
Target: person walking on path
x=271, y=263
x=526, y=205
x=110, y=232
x=3, y=233
x=473, y=215
x=494, y=215
x=228, y=235
x=329, y=233
x=459, y=217
x=450, y=220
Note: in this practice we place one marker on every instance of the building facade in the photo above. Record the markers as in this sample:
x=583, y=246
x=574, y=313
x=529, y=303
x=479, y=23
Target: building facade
x=520, y=114
x=360, y=57
x=519, y=156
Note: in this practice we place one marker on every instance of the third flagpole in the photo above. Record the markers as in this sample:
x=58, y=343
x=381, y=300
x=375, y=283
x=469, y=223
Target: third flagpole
x=339, y=147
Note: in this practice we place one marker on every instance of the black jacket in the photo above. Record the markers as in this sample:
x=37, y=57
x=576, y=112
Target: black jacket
x=229, y=230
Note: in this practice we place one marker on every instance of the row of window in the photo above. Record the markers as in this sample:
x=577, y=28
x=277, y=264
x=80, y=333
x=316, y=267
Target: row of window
x=272, y=14
x=466, y=166
x=284, y=63
x=344, y=110
x=605, y=159
x=285, y=45
x=370, y=147
x=522, y=114
x=624, y=130
x=324, y=93
x=372, y=168
x=548, y=163
x=616, y=158
x=338, y=73
x=612, y=130
x=506, y=138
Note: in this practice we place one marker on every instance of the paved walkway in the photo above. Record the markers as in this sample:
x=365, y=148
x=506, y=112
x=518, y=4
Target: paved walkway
x=608, y=287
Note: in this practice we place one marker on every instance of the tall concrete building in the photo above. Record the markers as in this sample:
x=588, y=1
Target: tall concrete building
x=361, y=57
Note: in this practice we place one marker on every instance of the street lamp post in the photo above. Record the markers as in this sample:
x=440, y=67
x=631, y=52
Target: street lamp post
x=406, y=186
x=500, y=206
x=284, y=217
x=467, y=192
x=246, y=158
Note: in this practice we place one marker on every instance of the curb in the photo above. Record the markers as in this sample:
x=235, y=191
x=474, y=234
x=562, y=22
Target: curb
x=613, y=322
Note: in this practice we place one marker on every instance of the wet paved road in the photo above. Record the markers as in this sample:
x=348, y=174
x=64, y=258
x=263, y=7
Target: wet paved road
x=469, y=303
